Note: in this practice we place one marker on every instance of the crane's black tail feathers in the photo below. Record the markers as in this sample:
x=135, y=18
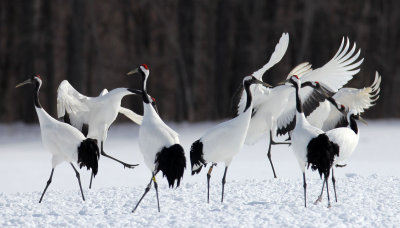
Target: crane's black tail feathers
x=172, y=162
x=88, y=155
x=320, y=154
x=196, y=157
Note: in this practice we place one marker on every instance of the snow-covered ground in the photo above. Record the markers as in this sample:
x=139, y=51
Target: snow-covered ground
x=368, y=188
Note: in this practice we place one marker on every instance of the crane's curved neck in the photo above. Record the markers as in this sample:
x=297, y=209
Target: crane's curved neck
x=248, y=94
x=353, y=124
x=145, y=97
x=299, y=107
x=36, y=94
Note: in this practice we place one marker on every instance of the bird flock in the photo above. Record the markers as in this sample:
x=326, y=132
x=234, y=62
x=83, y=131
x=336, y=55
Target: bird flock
x=311, y=108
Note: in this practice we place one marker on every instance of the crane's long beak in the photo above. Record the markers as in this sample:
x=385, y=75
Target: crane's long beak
x=282, y=83
x=256, y=81
x=362, y=120
x=23, y=83
x=132, y=72
x=265, y=84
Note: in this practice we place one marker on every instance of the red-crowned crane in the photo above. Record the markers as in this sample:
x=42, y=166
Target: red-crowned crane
x=311, y=145
x=66, y=143
x=346, y=138
x=222, y=142
x=94, y=115
x=274, y=108
x=158, y=143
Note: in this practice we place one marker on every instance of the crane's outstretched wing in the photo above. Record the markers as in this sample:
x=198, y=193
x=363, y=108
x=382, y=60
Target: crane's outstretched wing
x=356, y=100
x=333, y=75
x=339, y=70
x=69, y=100
x=277, y=55
x=131, y=115
x=72, y=105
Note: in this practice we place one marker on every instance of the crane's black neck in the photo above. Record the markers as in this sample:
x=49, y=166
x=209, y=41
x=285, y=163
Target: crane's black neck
x=145, y=97
x=248, y=94
x=353, y=124
x=36, y=94
x=299, y=107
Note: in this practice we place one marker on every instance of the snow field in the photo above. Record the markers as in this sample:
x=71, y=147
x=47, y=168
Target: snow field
x=368, y=188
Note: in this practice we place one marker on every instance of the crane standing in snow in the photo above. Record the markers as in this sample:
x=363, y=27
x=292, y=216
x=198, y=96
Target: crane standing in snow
x=158, y=143
x=94, y=115
x=347, y=140
x=310, y=144
x=222, y=142
x=65, y=142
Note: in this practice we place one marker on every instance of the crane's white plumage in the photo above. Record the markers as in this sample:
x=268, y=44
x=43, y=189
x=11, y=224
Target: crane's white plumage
x=94, y=115
x=277, y=55
x=339, y=70
x=64, y=142
x=274, y=108
x=127, y=112
x=333, y=75
x=70, y=100
x=131, y=115
x=222, y=142
x=300, y=70
x=327, y=116
x=346, y=138
x=59, y=138
x=82, y=109
x=158, y=143
x=154, y=134
x=310, y=145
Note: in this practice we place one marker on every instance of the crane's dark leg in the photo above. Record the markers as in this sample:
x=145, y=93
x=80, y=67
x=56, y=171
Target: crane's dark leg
x=322, y=191
x=156, y=188
x=334, y=184
x=272, y=142
x=223, y=184
x=269, y=153
x=79, y=180
x=126, y=165
x=146, y=190
x=91, y=178
x=47, y=185
x=305, y=189
x=327, y=190
x=208, y=181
